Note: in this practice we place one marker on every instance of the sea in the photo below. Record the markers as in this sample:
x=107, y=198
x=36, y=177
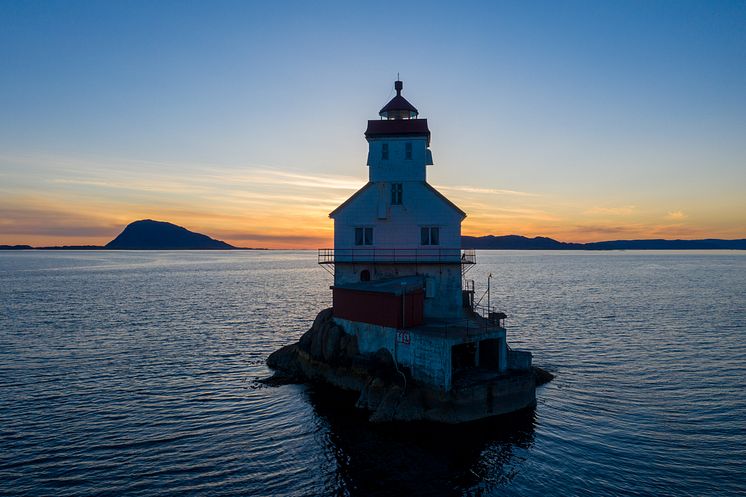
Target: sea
x=135, y=374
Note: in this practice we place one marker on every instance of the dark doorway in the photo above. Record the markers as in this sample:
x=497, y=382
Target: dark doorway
x=463, y=356
x=364, y=275
x=489, y=354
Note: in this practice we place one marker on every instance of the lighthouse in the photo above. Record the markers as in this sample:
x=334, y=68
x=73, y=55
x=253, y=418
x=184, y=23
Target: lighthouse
x=399, y=270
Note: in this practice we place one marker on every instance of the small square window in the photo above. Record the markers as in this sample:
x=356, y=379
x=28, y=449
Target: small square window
x=385, y=151
x=408, y=151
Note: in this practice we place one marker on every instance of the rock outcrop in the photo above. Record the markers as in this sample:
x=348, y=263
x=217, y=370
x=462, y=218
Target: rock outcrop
x=326, y=353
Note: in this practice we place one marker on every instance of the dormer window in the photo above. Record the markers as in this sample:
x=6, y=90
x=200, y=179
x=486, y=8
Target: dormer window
x=397, y=191
x=385, y=151
x=408, y=151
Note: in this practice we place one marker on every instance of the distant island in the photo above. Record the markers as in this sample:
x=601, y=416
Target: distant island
x=516, y=242
x=159, y=235
x=147, y=234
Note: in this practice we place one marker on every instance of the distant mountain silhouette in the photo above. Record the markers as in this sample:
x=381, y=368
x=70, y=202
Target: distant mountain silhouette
x=516, y=242
x=158, y=235
x=513, y=242
x=15, y=247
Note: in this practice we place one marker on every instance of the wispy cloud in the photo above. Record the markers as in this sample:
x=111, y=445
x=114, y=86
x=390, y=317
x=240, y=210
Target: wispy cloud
x=625, y=210
x=90, y=200
x=137, y=174
x=605, y=230
x=285, y=178
x=287, y=239
x=676, y=215
x=50, y=220
x=486, y=191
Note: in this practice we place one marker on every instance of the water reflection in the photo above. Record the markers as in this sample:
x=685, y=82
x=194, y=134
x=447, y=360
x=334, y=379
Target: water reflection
x=418, y=458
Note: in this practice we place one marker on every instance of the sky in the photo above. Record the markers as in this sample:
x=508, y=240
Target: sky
x=581, y=121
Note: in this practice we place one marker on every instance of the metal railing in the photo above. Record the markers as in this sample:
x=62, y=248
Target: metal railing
x=398, y=255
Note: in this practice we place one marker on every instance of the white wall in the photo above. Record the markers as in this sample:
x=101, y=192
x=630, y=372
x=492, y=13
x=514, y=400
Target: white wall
x=400, y=228
x=397, y=167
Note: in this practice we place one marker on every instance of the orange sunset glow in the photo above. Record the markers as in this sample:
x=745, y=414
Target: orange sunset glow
x=284, y=209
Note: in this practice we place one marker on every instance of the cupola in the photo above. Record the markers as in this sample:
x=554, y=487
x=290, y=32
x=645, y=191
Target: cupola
x=398, y=120
x=398, y=107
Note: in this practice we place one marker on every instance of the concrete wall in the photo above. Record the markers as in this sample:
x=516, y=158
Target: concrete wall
x=519, y=360
x=444, y=281
x=507, y=394
x=428, y=358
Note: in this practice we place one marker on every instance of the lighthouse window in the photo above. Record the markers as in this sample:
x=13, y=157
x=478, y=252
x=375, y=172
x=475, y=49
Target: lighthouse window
x=396, y=193
x=385, y=151
x=363, y=236
x=408, y=151
x=430, y=236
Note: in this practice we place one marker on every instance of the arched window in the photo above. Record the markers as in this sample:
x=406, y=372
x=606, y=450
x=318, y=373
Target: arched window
x=364, y=275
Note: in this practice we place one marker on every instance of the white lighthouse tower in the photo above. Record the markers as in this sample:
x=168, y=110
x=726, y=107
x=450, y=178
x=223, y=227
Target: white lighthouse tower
x=398, y=265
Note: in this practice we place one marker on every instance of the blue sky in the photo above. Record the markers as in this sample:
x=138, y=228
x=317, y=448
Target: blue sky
x=579, y=120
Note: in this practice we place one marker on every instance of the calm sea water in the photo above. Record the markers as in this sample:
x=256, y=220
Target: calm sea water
x=133, y=373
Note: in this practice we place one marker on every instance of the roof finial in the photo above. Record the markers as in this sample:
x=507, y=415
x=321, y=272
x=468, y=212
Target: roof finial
x=398, y=85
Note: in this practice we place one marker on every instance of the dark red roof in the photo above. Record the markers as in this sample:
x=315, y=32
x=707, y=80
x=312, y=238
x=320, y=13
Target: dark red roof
x=398, y=104
x=398, y=127
x=398, y=107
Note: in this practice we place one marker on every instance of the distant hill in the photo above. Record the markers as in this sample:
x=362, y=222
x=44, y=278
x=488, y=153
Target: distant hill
x=72, y=247
x=516, y=242
x=158, y=235
x=15, y=247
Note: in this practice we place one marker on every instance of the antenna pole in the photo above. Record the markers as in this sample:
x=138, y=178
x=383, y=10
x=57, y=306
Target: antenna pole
x=488, y=295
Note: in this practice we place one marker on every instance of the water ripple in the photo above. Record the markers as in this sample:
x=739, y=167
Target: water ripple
x=131, y=373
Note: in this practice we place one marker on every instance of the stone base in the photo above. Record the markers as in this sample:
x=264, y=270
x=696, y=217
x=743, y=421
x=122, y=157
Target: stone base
x=325, y=353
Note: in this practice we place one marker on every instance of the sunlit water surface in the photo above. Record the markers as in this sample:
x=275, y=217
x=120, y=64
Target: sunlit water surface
x=133, y=373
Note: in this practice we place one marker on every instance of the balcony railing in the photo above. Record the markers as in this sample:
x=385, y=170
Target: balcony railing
x=398, y=256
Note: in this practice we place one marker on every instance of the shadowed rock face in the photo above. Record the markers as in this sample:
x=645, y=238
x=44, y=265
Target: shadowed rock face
x=158, y=235
x=327, y=354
